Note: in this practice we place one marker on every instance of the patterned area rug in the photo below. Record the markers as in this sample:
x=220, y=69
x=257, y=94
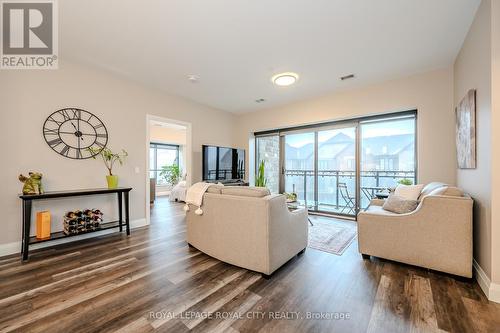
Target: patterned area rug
x=331, y=235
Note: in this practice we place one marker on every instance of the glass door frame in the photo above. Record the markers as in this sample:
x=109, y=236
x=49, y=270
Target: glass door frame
x=354, y=125
x=346, y=123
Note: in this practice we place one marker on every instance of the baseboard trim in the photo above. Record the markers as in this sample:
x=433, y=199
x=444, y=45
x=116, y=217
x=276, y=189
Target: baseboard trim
x=15, y=247
x=491, y=290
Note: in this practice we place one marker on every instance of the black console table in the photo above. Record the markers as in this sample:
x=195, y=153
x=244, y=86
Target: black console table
x=123, y=196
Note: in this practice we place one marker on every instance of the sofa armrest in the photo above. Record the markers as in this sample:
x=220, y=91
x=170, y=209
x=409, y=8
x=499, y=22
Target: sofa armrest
x=437, y=235
x=288, y=231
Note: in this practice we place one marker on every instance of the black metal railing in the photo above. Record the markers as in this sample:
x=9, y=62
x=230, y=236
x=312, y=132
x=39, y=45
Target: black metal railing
x=225, y=174
x=371, y=182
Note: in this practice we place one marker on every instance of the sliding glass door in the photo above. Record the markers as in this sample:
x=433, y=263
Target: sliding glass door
x=339, y=167
x=299, y=165
x=336, y=176
x=388, y=155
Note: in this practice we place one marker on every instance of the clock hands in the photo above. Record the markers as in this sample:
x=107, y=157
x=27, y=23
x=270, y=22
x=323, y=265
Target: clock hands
x=78, y=134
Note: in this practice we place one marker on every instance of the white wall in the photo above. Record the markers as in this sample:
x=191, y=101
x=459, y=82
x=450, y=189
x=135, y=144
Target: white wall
x=28, y=97
x=495, y=139
x=473, y=71
x=430, y=93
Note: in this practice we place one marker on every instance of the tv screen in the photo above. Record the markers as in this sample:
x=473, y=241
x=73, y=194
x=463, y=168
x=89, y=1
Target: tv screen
x=222, y=163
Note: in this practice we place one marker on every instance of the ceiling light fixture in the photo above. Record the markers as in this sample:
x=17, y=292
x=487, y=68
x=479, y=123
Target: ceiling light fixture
x=285, y=79
x=193, y=78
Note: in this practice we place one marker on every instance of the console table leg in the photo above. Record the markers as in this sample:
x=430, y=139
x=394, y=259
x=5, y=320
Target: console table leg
x=127, y=214
x=26, y=227
x=120, y=214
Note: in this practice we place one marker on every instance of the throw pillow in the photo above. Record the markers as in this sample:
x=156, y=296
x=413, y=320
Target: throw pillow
x=399, y=205
x=409, y=192
x=449, y=191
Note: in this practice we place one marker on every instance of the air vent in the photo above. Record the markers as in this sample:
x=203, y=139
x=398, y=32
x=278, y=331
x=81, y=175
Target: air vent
x=347, y=77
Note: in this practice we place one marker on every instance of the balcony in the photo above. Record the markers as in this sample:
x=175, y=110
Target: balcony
x=337, y=189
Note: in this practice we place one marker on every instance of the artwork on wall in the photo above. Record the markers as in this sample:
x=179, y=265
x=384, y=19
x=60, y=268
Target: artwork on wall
x=70, y=132
x=466, y=131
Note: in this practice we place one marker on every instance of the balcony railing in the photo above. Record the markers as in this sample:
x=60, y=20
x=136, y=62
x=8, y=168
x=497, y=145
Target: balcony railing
x=371, y=183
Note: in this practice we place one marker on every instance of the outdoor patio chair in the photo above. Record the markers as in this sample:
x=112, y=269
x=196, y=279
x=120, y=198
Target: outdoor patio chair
x=348, y=199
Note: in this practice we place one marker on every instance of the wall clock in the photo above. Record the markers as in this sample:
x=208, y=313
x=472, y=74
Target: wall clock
x=70, y=132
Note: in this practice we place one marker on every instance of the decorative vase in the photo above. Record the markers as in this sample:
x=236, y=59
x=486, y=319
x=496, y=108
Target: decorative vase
x=112, y=181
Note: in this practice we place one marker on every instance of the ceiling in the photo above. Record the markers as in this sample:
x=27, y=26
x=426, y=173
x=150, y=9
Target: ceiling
x=235, y=46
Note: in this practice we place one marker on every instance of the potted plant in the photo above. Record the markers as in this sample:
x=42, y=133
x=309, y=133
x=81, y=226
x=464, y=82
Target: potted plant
x=109, y=158
x=405, y=181
x=171, y=174
x=260, y=180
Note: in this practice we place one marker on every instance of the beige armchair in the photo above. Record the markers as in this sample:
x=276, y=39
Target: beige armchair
x=247, y=227
x=437, y=235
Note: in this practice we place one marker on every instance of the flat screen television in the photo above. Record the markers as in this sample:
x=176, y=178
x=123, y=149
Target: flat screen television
x=223, y=163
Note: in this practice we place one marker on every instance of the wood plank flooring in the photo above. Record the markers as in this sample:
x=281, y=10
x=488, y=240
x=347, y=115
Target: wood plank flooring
x=152, y=281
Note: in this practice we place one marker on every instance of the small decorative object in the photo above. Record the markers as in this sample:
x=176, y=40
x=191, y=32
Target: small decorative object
x=70, y=132
x=466, y=131
x=405, y=181
x=171, y=174
x=109, y=158
x=43, y=225
x=260, y=180
x=291, y=197
x=76, y=222
x=32, y=184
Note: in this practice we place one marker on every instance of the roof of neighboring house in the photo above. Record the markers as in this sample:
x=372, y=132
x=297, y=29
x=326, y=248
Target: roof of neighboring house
x=395, y=144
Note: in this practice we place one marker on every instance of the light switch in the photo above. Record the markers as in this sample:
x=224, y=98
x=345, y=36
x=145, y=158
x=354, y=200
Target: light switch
x=137, y=170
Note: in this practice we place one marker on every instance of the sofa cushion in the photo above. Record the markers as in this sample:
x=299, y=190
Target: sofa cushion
x=215, y=189
x=378, y=210
x=246, y=191
x=409, y=192
x=399, y=205
x=429, y=188
x=451, y=191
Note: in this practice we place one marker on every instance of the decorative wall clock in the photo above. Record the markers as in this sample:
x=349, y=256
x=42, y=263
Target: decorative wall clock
x=70, y=132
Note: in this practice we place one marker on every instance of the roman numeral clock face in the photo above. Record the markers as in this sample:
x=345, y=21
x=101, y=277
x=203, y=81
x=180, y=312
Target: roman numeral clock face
x=70, y=132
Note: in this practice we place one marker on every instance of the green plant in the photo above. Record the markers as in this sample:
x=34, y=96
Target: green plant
x=405, y=181
x=291, y=197
x=171, y=173
x=260, y=180
x=109, y=158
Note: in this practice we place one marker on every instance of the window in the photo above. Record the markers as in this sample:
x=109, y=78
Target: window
x=161, y=155
x=340, y=166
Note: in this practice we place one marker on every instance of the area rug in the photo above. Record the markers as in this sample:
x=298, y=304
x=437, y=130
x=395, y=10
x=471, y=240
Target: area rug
x=331, y=235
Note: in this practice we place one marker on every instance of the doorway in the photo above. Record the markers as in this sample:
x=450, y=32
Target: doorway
x=168, y=160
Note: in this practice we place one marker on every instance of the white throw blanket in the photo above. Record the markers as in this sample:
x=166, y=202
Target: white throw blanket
x=194, y=196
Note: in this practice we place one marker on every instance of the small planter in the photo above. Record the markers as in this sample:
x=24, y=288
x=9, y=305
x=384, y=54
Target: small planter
x=112, y=181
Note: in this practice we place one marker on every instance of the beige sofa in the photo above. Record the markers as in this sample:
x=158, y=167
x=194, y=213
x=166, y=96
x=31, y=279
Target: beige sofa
x=437, y=235
x=248, y=227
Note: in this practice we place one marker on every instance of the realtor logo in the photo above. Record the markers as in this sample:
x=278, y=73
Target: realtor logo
x=29, y=35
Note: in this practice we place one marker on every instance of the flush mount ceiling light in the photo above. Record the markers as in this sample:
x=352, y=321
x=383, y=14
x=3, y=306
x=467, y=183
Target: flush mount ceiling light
x=193, y=78
x=285, y=79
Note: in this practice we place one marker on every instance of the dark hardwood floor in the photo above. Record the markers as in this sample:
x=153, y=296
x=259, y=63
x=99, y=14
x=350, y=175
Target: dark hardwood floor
x=152, y=281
